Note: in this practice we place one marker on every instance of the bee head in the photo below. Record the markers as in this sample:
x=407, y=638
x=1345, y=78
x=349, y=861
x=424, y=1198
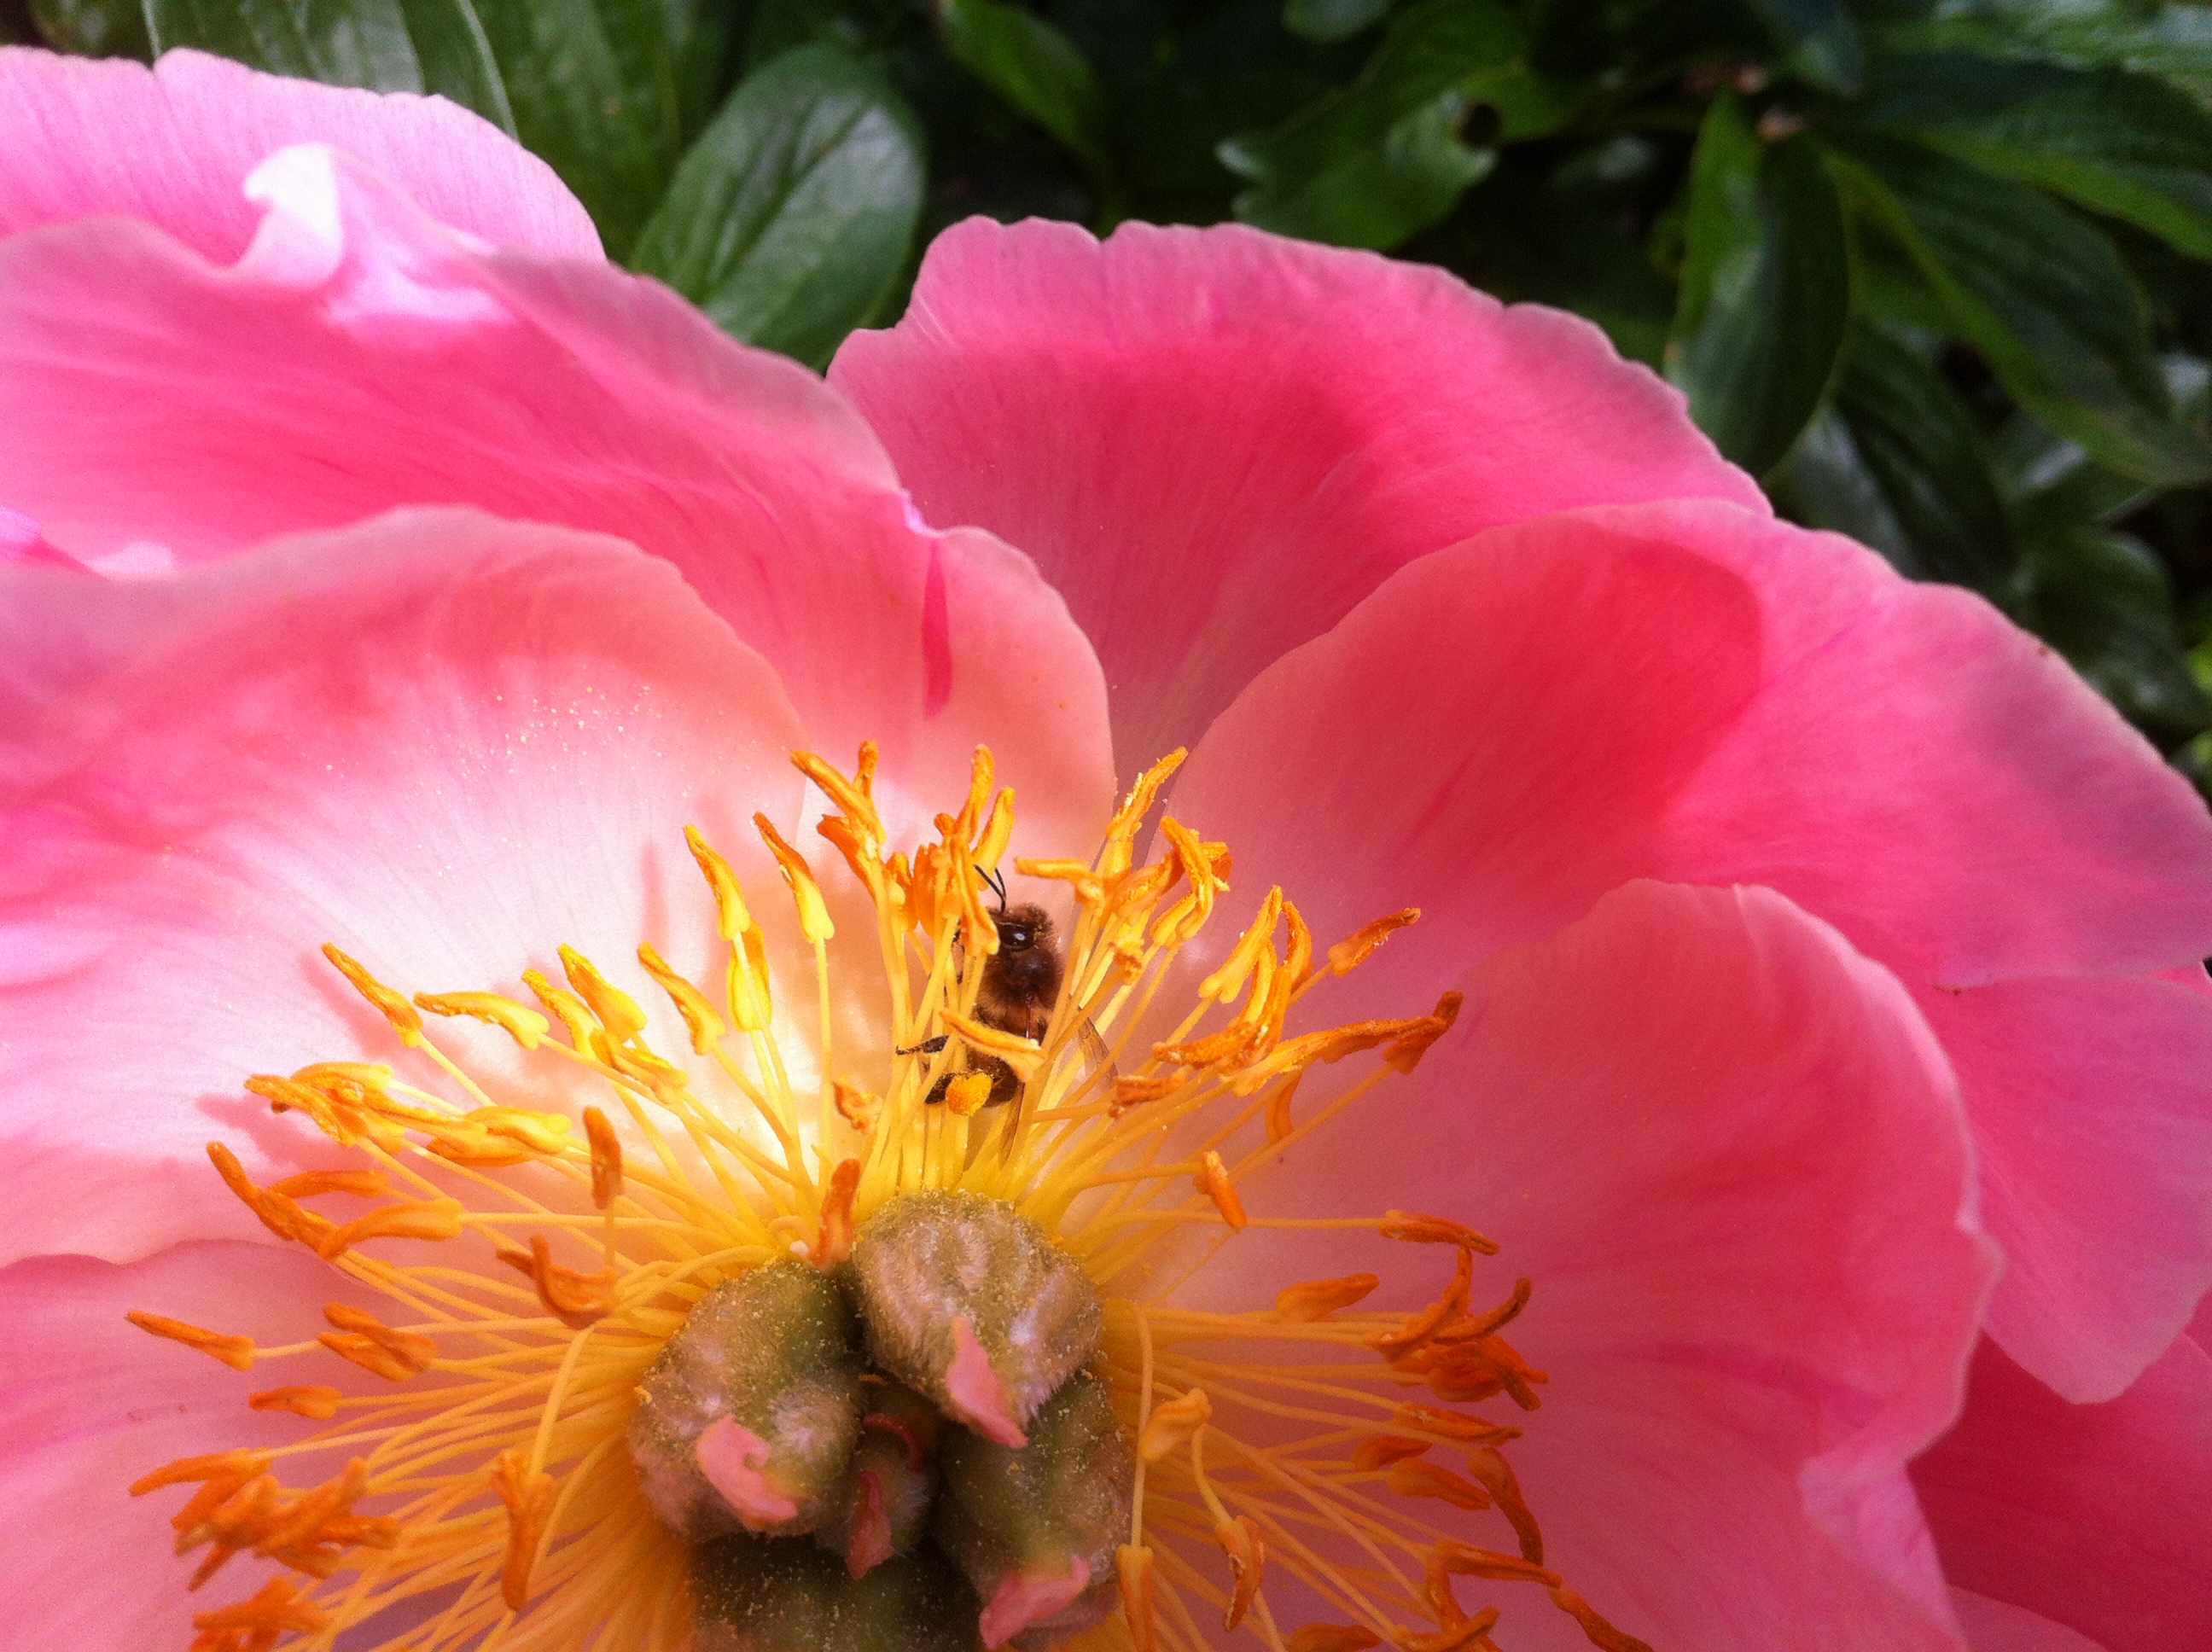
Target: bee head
x=1023, y=929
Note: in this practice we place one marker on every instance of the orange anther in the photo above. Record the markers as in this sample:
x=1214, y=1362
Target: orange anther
x=394, y=1006
x=863, y=1110
x=1132, y=1091
x=705, y=1026
x=371, y=1344
x=279, y=1214
x=1133, y=1563
x=1248, y=1559
x=1465, y=1560
x=606, y=1158
x=279, y=1606
x=526, y=1027
x=1381, y=1450
x=428, y=1218
x=575, y=1015
x=578, y=1300
x=835, y=1244
x=1406, y=1055
x=234, y=1467
x=1224, y=983
x=1212, y=1180
x=529, y=1499
x=302, y=1399
x=1170, y=1426
x=313, y=1184
x=1316, y=1299
x=1330, y=1638
x=617, y=1010
x=1023, y=1055
x=1358, y=947
x=1395, y=1345
x=1497, y=1478
x=1471, y=1431
x=813, y=913
x=237, y=1352
x=1414, y=1228
x=1279, y=1106
x=1415, y=1478
x=853, y=796
x=1076, y=874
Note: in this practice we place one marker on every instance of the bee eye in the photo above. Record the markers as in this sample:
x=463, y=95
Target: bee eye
x=1016, y=936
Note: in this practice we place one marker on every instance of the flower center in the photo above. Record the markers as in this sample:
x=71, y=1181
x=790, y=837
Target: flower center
x=786, y=1365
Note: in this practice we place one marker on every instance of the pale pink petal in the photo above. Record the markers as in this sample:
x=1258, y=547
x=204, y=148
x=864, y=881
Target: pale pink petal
x=360, y=358
x=1730, y=1156
x=21, y=542
x=1216, y=441
x=1997, y=1626
x=88, y=1403
x=2092, y=1108
x=172, y=146
x=2098, y=1517
x=447, y=744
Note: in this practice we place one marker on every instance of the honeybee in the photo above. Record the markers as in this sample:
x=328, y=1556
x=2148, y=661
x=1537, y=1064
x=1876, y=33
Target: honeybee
x=1020, y=985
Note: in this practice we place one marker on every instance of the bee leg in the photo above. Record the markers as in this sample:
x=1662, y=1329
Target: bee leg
x=928, y=1046
x=937, y=1090
x=1004, y=1086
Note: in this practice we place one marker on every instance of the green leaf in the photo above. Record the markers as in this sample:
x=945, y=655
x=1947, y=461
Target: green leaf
x=1899, y=463
x=93, y=28
x=1032, y=65
x=2114, y=142
x=2042, y=294
x=1370, y=165
x=1330, y=21
x=390, y=46
x=702, y=41
x=2105, y=602
x=793, y=213
x=1817, y=39
x=2172, y=42
x=594, y=95
x=1765, y=288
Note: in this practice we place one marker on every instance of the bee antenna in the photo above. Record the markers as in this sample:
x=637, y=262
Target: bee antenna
x=996, y=884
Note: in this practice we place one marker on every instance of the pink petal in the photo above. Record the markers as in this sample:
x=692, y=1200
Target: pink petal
x=88, y=1403
x=363, y=358
x=1730, y=1156
x=2098, y=1517
x=445, y=742
x=1997, y=1626
x=172, y=146
x=2092, y=1108
x=1216, y=441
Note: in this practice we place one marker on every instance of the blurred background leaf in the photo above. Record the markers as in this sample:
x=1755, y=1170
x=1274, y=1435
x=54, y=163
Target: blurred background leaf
x=1939, y=271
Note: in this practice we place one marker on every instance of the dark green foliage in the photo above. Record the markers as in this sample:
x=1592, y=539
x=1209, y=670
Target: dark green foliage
x=1939, y=271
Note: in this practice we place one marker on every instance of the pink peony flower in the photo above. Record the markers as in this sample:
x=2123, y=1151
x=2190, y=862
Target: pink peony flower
x=382, y=568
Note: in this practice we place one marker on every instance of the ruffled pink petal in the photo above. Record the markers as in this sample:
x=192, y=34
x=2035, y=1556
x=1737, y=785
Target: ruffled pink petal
x=172, y=146
x=1729, y=1154
x=1215, y=442
x=1772, y=707
x=447, y=744
x=361, y=357
x=2097, y=1517
x=88, y=1403
x=2092, y=1108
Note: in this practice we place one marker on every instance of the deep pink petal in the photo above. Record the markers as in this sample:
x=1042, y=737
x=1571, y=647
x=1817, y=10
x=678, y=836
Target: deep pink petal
x=1999, y=1626
x=360, y=358
x=88, y=1403
x=444, y=743
x=1729, y=1154
x=2098, y=1517
x=172, y=146
x=1216, y=441
x=2092, y=1108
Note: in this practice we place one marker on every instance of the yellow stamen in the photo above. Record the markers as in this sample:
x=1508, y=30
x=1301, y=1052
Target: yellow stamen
x=494, y=1472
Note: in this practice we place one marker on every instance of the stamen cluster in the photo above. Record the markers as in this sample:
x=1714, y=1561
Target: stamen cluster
x=521, y=1307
